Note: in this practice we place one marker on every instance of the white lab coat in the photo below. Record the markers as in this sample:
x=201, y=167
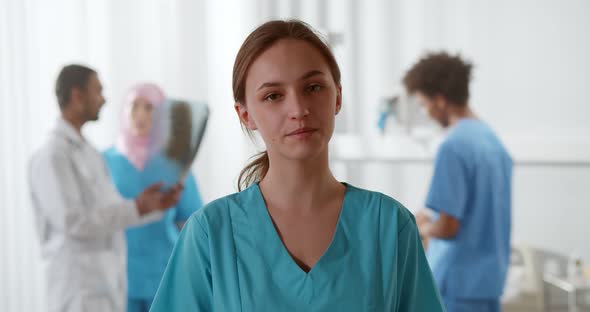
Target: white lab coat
x=81, y=220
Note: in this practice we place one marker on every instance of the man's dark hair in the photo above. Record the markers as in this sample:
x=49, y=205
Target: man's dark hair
x=71, y=77
x=440, y=74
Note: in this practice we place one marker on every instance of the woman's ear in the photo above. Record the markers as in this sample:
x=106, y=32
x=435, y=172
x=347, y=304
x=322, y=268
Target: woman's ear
x=338, y=99
x=244, y=116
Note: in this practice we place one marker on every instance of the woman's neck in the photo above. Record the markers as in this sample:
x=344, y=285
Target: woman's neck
x=300, y=185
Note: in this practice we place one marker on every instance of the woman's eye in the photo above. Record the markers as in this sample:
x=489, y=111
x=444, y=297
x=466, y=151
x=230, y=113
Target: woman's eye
x=272, y=97
x=314, y=88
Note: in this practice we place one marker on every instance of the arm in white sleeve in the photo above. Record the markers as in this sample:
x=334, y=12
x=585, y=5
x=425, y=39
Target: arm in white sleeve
x=59, y=197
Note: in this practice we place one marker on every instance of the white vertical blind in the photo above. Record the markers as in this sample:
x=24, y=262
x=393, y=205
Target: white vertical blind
x=125, y=42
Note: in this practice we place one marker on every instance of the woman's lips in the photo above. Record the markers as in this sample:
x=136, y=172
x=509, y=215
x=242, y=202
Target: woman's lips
x=302, y=132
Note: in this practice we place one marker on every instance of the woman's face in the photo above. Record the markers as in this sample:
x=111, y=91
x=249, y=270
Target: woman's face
x=291, y=99
x=141, y=117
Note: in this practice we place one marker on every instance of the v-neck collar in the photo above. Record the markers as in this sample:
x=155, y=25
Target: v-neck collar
x=140, y=172
x=270, y=244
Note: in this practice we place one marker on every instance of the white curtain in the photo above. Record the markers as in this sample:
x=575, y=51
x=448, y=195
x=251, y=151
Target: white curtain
x=126, y=42
x=21, y=120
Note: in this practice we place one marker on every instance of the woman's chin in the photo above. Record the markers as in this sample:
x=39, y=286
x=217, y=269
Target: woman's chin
x=305, y=152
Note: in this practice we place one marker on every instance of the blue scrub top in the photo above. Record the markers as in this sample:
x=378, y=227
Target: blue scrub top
x=472, y=182
x=149, y=246
x=230, y=258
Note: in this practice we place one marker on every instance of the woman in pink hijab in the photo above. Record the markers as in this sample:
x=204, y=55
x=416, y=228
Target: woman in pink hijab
x=136, y=162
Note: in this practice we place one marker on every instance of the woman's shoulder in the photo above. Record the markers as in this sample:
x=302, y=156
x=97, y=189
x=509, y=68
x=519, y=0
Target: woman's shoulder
x=220, y=210
x=111, y=152
x=372, y=202
x=115, y=160
x=112, y=155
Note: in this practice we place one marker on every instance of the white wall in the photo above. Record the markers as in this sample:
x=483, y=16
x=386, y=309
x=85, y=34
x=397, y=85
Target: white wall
x=225, y=148
x=530, y=82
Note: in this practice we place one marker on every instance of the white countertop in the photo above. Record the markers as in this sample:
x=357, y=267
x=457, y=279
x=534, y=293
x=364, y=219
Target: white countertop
x=525, y=150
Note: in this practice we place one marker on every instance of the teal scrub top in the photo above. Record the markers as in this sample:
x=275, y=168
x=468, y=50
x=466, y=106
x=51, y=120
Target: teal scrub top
x=472, y=182
x=149, y=246
x=229, y=257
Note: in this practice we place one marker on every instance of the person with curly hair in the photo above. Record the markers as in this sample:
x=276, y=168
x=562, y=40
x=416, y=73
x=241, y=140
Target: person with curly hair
x=470, y=193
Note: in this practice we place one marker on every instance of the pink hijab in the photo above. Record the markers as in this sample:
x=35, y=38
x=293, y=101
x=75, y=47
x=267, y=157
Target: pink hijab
x=137, y=148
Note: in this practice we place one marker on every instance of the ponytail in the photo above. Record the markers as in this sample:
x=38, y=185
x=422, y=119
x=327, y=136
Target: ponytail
x=254, y=171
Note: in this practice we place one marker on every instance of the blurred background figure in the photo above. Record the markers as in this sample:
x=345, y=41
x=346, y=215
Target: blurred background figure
x=80, y=216
x=138, y=160
x=471, y=190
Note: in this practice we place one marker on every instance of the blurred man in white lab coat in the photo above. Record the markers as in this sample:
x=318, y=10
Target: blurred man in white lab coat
x=80, y=216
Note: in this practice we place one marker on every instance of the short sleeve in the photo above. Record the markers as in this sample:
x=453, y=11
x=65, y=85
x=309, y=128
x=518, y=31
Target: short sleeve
x=190, y=200
x=448, y=189
x=186, y=284
x=417, y=290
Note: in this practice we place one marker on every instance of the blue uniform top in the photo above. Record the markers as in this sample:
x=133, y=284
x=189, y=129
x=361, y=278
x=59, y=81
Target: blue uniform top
x=149, y=246
x=472, y=182
x=230, y=258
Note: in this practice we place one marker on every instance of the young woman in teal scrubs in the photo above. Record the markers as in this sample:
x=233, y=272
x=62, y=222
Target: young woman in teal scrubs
x=295, y=239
